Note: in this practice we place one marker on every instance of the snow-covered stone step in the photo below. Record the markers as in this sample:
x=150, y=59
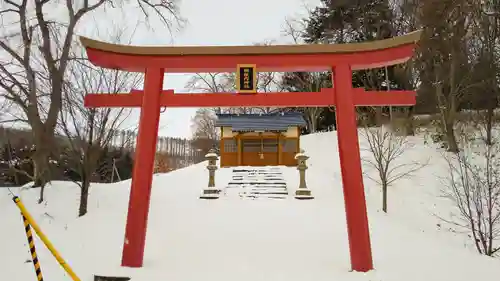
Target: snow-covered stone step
x=254, y=172
x=258, y=175
x=270, y=187
x=256, y=197
x=257, y=183
x=259, y=178
x=269, y=192
x=260, y=187
x=251, y=172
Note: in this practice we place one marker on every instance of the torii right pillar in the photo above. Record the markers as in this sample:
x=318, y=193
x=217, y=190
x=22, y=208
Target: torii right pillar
x=352, y=177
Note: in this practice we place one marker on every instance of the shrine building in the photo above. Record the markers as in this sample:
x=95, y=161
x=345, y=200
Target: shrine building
x=259, y=140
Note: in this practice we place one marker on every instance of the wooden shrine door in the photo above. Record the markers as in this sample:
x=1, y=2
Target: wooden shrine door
x=259, y=151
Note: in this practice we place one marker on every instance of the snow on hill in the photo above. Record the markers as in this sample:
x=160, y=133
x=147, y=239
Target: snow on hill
x=242, y=239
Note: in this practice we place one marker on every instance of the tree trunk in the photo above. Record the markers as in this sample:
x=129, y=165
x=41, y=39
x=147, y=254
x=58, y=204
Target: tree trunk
x=40, y=171
x=44, y=143
x=312, y=123
x=312, y=118
x=409, y=128
x=309, y=126
x=384, y=197
x=84, y=195
x=379, y=119
x=489, y=125
x=450, y=137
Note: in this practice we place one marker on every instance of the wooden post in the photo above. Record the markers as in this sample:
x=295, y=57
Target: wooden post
x=297, y=138
x=280, y=150
x=239, y=148
x=221, y=148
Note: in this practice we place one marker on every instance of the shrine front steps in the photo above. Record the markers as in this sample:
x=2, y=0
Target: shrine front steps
x=257, y=183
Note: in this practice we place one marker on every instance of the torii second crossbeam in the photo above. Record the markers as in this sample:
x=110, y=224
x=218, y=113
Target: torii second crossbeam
x=323, y=98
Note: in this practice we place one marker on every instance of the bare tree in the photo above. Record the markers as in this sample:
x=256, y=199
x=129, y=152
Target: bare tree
x=305, y=81
x=90, y=130
x=473, y=186
x=308, y=82
x=203, y=124
x=205, y=134
x=485, y=48
x=212, y=83
x=4, y=107
x=36, y=50
x=387, y=150
x=446, y=60
x=226, y=82
x=406, y=74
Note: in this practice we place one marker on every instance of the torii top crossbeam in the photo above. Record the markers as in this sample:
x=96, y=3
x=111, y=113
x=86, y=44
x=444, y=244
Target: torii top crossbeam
x=277, y=58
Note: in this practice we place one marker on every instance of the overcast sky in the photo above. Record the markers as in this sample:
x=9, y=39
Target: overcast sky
x=213, y=22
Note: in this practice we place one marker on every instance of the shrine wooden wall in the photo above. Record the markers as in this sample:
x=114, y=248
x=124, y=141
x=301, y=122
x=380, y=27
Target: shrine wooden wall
x=259, y=149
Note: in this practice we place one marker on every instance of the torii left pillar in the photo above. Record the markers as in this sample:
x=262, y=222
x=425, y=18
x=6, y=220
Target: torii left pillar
x=140, y=191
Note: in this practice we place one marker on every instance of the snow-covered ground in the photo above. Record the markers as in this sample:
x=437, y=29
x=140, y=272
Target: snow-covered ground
x=243, y=239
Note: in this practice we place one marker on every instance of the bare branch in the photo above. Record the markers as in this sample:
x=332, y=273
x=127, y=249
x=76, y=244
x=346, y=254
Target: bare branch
x=386, y=149
x=473, y=186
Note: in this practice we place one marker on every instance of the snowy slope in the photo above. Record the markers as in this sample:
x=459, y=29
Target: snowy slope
x=235, y=239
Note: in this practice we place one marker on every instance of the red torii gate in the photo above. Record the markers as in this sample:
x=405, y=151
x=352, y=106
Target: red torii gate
x=341, y=59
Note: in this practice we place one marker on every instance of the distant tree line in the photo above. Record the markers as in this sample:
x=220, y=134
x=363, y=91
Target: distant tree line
x=114, y=161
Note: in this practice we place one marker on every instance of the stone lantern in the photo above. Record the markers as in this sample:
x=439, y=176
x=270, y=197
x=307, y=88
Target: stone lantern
x=302, y=192
x=211, y=192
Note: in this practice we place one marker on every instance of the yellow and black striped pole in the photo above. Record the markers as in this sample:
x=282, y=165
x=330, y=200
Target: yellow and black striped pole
x=44, y=239
x=31, y=243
